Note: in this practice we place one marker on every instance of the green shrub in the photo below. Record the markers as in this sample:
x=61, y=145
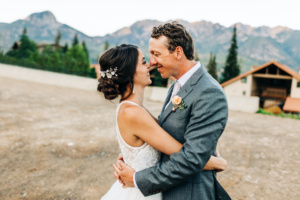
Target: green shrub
x=283, y=115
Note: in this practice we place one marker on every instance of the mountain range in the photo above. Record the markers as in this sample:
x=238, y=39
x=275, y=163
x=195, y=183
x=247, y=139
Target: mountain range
x=257, y=45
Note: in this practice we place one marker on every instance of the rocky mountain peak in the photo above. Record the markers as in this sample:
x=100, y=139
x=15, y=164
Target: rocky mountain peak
x=41, y=18
x=279, y=29
x=244, y=28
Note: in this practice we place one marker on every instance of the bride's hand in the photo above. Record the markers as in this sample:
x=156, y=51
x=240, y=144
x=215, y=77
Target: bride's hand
x=223, y=162
x=216, y=163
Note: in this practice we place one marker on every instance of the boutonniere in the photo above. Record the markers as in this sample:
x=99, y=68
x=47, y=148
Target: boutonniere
x=178, y=103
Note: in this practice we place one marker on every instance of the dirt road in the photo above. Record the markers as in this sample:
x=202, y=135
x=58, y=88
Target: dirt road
x=59, y=143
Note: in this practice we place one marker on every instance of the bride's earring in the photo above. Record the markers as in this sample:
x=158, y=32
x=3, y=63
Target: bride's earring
x=133, y=89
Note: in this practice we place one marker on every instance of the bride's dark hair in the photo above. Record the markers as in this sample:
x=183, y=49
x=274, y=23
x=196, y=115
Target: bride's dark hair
x=124, y=58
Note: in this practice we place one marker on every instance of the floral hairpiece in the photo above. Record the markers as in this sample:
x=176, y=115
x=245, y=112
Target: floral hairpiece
x=109, y=73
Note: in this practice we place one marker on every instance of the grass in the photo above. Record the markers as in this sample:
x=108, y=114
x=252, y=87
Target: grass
x=283, y=115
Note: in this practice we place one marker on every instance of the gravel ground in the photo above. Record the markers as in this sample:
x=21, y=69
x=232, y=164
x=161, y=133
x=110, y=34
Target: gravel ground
x=59, y=143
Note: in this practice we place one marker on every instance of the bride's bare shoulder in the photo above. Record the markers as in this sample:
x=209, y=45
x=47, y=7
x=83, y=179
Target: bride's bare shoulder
x=131, y=113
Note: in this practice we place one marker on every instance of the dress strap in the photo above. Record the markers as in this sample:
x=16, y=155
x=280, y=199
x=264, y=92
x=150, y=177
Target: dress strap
x=131, y=102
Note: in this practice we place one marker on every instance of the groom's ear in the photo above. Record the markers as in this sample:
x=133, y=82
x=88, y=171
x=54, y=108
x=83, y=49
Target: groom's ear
x=179, y=52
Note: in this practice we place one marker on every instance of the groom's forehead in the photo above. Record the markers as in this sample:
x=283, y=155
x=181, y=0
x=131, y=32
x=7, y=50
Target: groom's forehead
x=157, y=44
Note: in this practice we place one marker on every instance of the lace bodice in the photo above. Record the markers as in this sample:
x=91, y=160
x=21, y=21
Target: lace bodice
x=138, y=158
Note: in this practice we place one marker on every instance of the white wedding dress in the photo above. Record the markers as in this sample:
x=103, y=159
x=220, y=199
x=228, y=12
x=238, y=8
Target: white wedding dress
x=138, y=158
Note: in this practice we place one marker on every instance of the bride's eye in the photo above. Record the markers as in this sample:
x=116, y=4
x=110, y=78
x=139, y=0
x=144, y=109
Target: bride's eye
x=144, y=62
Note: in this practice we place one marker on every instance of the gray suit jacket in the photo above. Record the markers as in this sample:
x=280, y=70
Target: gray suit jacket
x=198, y=127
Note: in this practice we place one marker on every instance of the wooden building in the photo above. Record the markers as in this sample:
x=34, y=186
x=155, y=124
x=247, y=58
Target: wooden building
x=263, y=86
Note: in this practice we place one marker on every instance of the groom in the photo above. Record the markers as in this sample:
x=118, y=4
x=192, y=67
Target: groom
x=198, y=125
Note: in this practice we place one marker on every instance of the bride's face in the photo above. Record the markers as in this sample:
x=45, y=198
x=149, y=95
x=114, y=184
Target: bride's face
x=142, y=74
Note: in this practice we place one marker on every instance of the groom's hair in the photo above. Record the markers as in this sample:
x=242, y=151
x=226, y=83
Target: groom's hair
x=177, y=36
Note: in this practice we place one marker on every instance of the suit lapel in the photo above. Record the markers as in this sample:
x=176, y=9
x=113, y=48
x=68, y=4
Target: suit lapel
x=183, y=92
x=166, y=101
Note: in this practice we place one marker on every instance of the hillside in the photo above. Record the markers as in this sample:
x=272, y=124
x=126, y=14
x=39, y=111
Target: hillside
x=257, y=45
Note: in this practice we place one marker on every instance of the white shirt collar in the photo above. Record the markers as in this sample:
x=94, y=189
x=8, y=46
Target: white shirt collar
x=183, y=79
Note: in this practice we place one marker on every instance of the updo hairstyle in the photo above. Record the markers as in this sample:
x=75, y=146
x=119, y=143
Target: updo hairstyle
x=124, y=58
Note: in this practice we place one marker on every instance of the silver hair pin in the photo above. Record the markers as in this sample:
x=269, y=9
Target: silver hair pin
x=109, y=73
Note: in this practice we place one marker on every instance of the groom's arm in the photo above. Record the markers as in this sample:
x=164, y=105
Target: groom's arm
x=207, y=121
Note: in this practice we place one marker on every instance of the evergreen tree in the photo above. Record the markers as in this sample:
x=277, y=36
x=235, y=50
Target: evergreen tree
x=87, y=59
x=12, y=53
x=196, y=55
x=68, y=63
x=106, y=45
x=75, y=40
x=56, y=61
x=232, y=68
x=78, y=65
x=92, y=72
x=66, y=47
x=1, y=50
x=85, y=49
x=45, y=58
x=212, y=66
x=157, y=80
x=72, y=61
x=57, y=38
x=50, y=59
x=27, y=47
x=36, y=57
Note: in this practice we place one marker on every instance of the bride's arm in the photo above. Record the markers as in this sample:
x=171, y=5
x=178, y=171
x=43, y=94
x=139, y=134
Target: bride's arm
x=139, y=122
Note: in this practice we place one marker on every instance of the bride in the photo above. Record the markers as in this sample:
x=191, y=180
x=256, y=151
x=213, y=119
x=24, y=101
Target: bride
x=125, y=73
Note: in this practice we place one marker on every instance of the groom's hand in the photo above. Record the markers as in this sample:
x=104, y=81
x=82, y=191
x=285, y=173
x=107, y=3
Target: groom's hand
x=125, y=173
x=120, y=157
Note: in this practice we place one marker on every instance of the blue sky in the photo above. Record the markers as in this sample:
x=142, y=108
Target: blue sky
x=99, y=17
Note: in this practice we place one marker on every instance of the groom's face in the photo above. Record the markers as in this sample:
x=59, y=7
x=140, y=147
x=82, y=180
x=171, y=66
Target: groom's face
x=162, y=58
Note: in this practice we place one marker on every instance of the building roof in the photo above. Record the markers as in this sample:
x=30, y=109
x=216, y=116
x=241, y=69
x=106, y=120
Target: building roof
x=279, y=65
x=292, y=105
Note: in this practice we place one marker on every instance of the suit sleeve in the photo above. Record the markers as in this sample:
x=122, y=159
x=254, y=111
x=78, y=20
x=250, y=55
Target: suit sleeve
x=208, y=118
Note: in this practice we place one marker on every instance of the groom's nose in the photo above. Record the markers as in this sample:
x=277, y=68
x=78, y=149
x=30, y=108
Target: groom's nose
x=152, y=61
